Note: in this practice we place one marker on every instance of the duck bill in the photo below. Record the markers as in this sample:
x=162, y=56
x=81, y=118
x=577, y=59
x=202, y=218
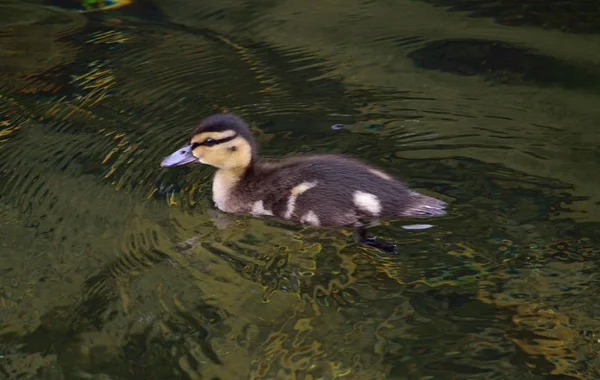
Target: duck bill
x=182, y=156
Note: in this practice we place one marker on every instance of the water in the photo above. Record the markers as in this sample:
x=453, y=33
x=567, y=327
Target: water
x=114, y=268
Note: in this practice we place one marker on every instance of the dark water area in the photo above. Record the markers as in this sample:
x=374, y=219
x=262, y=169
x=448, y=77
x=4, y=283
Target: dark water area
x=112, y=267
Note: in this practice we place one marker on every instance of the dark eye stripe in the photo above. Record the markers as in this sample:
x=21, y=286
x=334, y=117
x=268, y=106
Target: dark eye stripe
x=213, y=142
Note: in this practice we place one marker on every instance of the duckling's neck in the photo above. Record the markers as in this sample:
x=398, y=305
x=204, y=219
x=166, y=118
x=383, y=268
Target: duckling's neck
x=224, y=184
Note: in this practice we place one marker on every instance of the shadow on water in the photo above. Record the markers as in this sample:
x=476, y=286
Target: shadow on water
x=503, y=63
x=114, y=268
x=578, y=16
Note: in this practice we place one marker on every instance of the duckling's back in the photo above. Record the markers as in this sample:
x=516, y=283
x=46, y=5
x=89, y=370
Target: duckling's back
x=331, y=190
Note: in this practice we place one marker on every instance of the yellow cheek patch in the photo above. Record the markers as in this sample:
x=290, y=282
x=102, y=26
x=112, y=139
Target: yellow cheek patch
x=230, y=154
x=198, y=151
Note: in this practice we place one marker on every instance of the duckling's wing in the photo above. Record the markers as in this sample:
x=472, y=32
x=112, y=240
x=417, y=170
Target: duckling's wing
x=345, y=182
x=337, y=191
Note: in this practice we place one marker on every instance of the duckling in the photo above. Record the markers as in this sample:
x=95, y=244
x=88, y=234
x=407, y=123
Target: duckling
x=322, y=190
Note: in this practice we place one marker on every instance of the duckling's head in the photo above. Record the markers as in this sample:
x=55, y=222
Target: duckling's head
x=222, y=140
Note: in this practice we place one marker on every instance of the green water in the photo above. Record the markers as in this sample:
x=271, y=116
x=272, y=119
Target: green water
x=114, y=268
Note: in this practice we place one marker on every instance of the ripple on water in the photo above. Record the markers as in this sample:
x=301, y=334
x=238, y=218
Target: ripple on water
x=131, y=121
x=33, y=46
x=80, y=162
x=105, y=127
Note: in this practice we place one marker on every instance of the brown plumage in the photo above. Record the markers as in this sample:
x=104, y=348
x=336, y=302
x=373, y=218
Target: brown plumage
x=318, y=190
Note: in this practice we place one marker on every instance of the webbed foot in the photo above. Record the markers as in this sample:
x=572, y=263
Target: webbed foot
x=384, y=246
x=360, y=236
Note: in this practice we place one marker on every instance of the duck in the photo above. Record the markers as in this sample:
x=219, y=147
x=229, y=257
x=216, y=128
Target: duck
x=316, y=190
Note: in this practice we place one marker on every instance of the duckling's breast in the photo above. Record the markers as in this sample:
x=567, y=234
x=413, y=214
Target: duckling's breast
x=225, y=195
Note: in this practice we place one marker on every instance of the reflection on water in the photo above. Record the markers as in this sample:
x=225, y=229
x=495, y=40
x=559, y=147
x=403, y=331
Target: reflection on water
x=114, y=268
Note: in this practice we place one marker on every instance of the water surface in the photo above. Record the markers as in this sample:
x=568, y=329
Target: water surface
x=114, y=268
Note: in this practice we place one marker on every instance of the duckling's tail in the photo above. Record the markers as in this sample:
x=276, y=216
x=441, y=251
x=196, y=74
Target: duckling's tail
x=423, y=206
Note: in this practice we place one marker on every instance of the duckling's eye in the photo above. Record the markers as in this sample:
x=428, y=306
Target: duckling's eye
x=209, y=142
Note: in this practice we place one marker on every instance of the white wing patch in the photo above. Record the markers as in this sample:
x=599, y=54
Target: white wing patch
x=311, y=218
x=367, y=202
x=258, y=209
x=294, y=194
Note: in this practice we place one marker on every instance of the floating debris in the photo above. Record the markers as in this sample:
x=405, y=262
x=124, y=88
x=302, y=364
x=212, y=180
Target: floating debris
x=417, y=226
x=337, y=127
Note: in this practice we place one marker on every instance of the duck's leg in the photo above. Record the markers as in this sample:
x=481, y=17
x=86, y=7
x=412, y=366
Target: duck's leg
x=360, y=236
